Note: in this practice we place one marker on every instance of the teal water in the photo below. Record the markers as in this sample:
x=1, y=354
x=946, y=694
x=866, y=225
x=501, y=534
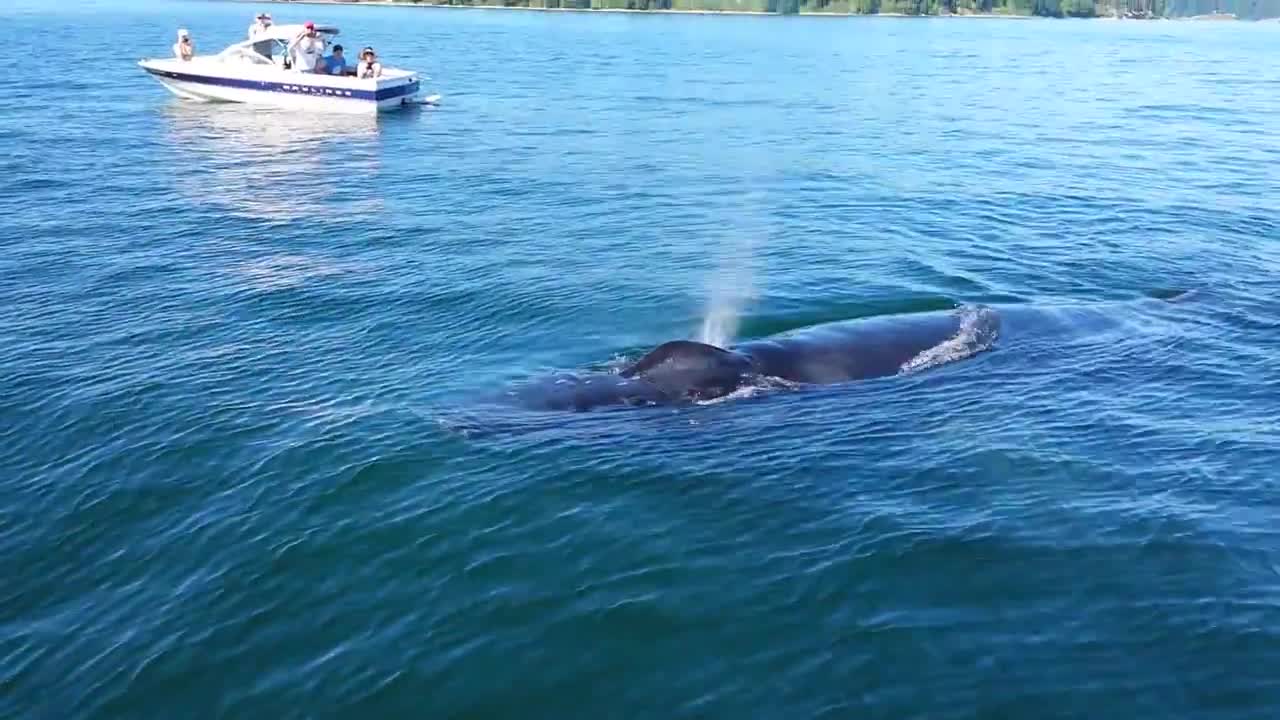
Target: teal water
x=249, y=471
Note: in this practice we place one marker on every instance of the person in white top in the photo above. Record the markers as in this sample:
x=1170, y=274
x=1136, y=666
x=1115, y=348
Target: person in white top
x=306, y=49
x=184, y=49
x=369, y=66
x=260, y=25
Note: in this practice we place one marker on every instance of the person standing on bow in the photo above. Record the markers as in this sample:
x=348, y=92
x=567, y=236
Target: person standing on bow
x=306, y=49
x=184, y=49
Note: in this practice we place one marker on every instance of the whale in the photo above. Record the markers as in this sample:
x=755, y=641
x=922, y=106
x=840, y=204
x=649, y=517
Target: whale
x=681, y=372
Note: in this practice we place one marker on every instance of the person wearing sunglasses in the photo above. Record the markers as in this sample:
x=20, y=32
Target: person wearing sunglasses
x=369, y=66
x=184, y=49
x=261, y=24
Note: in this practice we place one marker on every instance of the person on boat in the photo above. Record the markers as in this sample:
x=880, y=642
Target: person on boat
x=369, y=66
x=184, y=49
x=307, y=49
x=335, y=64
x=261, y=24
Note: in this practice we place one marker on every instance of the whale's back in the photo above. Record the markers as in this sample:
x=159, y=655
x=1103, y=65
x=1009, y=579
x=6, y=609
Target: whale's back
x=688, y=370
x=874, y=347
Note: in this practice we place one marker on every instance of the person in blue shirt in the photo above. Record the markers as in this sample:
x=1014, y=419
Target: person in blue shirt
x=335, y=64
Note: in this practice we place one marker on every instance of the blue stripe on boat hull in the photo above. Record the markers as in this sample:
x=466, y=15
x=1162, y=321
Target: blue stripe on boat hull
x=292, y=88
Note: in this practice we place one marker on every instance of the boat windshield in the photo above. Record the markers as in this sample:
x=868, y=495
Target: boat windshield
x=270, y=51
x=265, y=50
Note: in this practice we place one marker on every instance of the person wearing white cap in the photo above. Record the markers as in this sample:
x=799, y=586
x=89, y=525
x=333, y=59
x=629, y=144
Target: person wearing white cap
x=260, y=25
x=261, y=22
x=184, y=49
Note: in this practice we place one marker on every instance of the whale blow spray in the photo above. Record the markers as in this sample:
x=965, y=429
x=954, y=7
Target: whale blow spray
x=730, y=288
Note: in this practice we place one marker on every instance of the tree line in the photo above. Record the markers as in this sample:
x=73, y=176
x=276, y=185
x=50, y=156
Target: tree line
x=1244, y=9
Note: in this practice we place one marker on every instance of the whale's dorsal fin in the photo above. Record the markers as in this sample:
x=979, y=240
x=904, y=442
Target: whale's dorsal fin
x=683, y=353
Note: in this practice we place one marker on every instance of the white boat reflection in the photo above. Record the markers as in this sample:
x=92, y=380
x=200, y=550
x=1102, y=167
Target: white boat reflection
x=274, y=165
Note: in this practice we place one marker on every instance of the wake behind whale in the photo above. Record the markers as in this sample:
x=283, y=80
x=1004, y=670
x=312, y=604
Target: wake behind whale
x=686, y=371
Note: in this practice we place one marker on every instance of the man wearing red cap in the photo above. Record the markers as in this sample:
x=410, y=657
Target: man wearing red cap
x=306, y=49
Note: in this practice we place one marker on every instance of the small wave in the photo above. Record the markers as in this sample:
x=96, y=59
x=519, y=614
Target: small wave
x=979, y=328
x=760, y=386
x=281, y=272
x=742, y=393
x=1174, y=295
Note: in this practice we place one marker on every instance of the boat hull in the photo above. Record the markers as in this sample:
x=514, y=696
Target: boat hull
x=304, y=91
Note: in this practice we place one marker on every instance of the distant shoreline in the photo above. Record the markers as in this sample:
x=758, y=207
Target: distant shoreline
x=758, y=13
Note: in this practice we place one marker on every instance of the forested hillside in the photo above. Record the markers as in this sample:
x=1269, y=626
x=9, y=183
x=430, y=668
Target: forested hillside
x=1243, y=9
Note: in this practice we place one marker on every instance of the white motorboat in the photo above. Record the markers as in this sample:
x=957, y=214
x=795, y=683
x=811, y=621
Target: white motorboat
x=256, y=70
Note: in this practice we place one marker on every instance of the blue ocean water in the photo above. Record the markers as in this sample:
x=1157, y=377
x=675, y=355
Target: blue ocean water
x=248, y=470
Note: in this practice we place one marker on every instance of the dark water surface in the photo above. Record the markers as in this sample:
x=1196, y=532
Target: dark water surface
x=249, y=471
